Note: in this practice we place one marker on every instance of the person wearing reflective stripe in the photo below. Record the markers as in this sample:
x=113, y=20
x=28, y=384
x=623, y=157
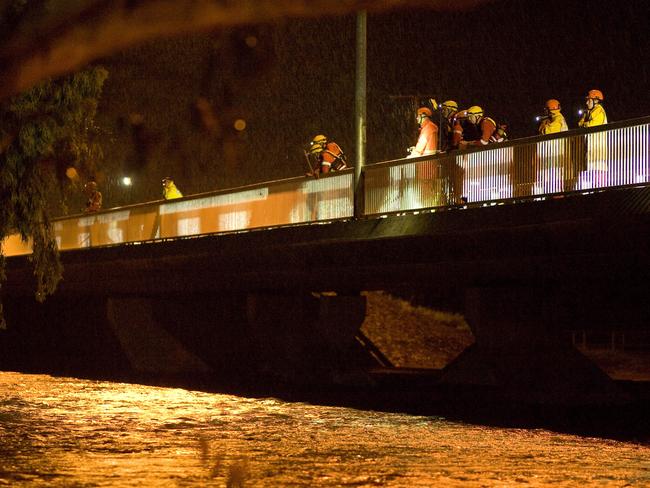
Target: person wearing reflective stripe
x=328, y=154
x=553, y=120
x=487, y=127
x=428, y=137
x=170, y=192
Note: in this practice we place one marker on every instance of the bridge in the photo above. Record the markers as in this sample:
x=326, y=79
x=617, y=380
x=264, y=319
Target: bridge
x=266, y=279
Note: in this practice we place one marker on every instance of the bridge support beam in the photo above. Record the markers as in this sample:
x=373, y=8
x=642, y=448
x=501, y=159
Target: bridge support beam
x=520, y=351
x=233, y=338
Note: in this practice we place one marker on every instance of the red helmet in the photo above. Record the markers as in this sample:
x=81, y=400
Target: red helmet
x=552, y=104
x=425, y=111
x=597, y=94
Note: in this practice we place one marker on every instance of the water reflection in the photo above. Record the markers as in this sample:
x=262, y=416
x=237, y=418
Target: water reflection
x=68, y=432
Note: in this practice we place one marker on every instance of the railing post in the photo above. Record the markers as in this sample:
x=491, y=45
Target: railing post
x=360, y=112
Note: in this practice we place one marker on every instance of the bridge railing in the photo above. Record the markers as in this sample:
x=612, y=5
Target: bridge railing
x=284, y=202
x=611, y=155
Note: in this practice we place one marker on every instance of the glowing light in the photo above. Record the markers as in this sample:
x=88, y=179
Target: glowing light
x=71, y=173
x=240, y=124
x=126, y=181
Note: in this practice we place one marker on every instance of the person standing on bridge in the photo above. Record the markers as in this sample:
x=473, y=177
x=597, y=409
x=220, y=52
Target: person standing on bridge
x=551, y=164
x=451, y=130
x=453, y=173
x=328, y=155
x=94, y=202
x=428, y=138
x=170, y=191
x=553, y=120
x=596, y=150
x=595, y=113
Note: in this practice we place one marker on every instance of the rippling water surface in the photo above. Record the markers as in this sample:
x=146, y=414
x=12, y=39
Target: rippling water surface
x=79, y=433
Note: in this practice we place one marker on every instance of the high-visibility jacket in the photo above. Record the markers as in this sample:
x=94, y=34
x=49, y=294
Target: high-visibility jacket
x=553, y=124
x=595, y=116
x=170, y=192
x=427, y=140
x=487, y=128
x=332, y=158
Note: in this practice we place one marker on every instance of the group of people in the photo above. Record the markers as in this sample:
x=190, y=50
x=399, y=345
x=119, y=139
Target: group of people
x=94, y=201
x=472, y=127
x=461, y=129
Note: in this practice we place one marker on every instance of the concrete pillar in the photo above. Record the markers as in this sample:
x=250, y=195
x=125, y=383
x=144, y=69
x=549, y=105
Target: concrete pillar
x=520, y=351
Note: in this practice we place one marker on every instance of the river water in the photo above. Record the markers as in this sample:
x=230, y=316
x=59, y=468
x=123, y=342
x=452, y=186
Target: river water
x=66, y=432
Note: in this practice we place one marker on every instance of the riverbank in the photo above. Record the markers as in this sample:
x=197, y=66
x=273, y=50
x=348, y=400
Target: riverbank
x=417, y=337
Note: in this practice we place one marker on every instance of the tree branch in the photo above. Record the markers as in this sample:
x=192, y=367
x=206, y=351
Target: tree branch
x=108, y=26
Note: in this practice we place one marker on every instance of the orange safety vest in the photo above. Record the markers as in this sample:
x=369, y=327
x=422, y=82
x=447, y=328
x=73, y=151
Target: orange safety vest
x=332, y=158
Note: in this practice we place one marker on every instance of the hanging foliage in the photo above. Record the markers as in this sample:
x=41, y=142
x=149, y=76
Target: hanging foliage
x=42, y=132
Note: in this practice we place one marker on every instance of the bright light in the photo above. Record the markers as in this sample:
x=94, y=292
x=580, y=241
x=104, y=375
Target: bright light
x=126, y=181
x=71, y=173
x=240, y=124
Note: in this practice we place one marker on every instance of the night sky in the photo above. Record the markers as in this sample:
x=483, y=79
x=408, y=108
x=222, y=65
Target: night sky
x=298, y=80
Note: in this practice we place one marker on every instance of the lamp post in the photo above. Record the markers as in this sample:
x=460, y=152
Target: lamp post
x=360, y=111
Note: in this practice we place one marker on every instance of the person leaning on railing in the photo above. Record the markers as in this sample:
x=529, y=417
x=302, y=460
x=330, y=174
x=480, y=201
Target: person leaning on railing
x=170, y=191
x=328, y=155
x=483, y=128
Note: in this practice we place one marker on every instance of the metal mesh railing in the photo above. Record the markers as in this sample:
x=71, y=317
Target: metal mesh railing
x=610, y=155
x=285, y=202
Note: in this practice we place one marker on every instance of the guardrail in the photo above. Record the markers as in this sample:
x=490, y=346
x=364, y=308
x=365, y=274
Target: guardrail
x=284, y=202
x=611, y=155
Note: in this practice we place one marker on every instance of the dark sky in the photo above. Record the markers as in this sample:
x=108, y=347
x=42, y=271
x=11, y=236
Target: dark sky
x=508, y=56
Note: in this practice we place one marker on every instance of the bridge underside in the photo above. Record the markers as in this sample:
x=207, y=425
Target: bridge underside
x=521, y=273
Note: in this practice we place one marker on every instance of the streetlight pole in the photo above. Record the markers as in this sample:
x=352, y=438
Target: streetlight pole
x=360, y=111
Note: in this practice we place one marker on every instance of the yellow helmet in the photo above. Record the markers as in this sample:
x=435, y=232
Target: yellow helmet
x=450, y=104
x=317, y=144
x=475, y=110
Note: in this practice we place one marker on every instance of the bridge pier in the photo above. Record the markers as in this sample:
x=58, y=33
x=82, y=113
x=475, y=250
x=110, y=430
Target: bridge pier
x=520, y=350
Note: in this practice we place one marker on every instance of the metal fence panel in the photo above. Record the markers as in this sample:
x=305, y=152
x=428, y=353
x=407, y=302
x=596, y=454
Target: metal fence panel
x=294, y=201
x=585, y=159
